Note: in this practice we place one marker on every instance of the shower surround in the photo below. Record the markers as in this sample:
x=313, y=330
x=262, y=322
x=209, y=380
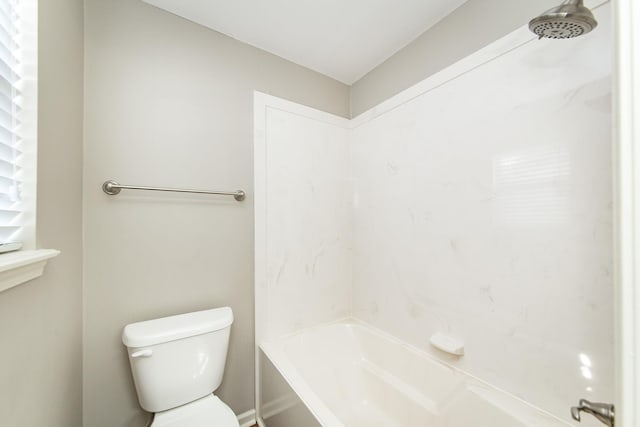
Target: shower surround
x=476, y=204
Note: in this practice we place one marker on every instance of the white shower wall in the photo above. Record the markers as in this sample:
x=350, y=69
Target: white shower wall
x=483, y=211
x=477, y=204
x=303, y=217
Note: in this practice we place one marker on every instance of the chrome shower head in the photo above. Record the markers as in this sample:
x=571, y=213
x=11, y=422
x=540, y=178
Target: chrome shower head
x=570, y=19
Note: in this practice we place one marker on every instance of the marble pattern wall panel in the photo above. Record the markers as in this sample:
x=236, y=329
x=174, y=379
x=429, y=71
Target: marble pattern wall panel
x=483, y=211
x=308, y=223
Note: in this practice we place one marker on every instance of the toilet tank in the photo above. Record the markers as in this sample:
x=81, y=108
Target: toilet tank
x=178, y=359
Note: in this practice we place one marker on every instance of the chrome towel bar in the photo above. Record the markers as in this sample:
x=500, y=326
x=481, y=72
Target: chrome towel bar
x=112, y=188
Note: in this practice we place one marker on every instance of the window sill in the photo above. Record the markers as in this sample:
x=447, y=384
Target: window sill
x=21, y=266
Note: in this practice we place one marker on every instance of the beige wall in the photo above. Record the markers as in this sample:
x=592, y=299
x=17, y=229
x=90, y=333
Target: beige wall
x=472, y=26
x=41, y=321
x=168, y=102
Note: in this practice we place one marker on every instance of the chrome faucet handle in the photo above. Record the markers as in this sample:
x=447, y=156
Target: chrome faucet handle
x=604, y=412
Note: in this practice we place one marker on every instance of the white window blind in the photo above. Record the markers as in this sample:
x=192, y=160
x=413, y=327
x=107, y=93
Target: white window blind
x=18, y=113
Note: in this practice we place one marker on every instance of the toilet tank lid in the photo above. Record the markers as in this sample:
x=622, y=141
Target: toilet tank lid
x=165, y=329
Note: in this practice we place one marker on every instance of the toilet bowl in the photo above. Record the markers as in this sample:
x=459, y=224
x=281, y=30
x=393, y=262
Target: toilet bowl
x=177, y=363
x=209, y=411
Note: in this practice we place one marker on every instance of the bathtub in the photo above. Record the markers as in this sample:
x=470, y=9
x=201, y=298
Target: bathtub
x=349, y=374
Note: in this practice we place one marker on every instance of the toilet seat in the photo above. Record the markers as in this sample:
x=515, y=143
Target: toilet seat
x=208, y=411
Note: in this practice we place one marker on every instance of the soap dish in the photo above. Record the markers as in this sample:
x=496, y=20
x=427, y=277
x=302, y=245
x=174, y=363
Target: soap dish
x=447, y=344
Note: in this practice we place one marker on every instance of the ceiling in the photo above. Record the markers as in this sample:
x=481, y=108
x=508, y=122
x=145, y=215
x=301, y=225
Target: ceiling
x=343, y=39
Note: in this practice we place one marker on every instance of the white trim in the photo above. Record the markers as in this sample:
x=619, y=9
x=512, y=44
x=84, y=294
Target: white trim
x=627, y=218
x=262, y=102
x=248, y=418
x=22, y=266
x=260, y=422
x=260, y=230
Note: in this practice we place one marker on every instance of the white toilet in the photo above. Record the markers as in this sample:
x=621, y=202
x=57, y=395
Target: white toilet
x=177, y=363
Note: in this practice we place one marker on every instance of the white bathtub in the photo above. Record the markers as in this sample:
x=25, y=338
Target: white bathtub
x=348, y=374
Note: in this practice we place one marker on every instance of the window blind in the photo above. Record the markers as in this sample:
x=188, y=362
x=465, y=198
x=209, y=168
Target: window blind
x=15, y=124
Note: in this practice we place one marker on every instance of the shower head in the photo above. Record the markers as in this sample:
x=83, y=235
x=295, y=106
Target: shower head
x=570, y=19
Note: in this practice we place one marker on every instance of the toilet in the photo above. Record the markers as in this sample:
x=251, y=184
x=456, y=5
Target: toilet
x=177, y=363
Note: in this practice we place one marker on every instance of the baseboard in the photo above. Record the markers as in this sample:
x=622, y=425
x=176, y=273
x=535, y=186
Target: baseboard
x=279, y=405
x=261, y=422
x=247, y=419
